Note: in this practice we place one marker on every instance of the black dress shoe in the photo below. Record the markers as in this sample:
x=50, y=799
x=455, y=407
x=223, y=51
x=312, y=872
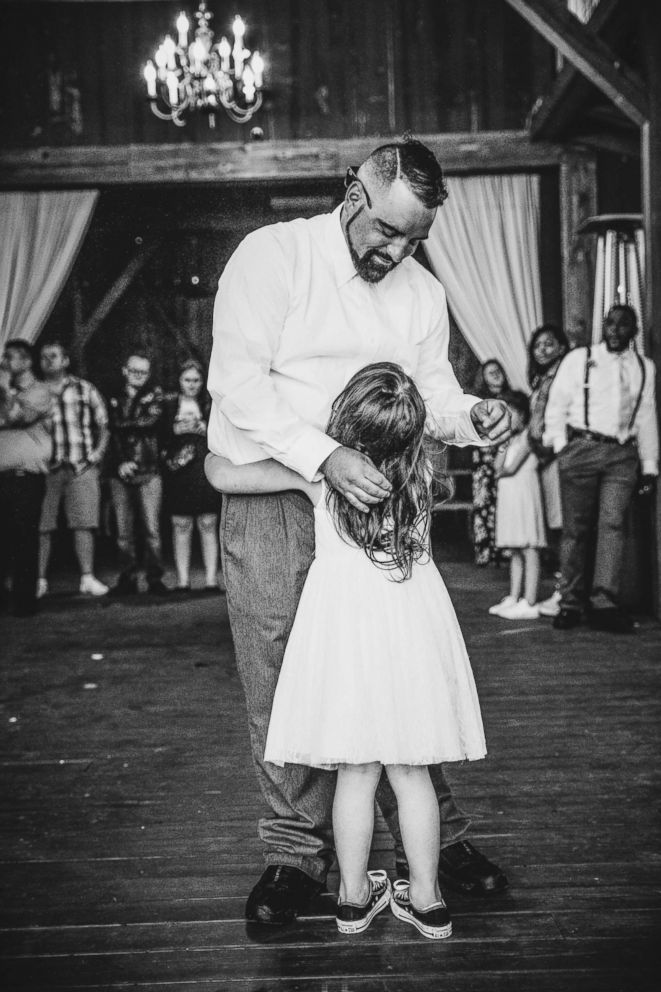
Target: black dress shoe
x=124, y=587
x=463, y=868
x=24, y=609
x=158, y=588
x=611, y=619
x=280, y=895
x=566, y=619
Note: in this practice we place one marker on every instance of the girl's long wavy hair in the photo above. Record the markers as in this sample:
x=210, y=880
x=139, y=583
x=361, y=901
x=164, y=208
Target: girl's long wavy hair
x=381, y=413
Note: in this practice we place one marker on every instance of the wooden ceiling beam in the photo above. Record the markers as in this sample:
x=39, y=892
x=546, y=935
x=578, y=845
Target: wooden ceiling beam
x=616, y=143
x=272, y=162
x=570, y=86
x=588, y=53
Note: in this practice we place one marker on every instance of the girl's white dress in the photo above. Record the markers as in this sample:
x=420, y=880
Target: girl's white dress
x=519, y=507
x=374, y=670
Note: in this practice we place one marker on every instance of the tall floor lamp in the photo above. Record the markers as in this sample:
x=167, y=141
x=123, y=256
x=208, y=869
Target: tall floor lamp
x=620, y=266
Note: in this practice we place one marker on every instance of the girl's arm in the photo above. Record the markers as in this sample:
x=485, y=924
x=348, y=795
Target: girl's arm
x=513, y=467
x=266, y=476
x=499, y=461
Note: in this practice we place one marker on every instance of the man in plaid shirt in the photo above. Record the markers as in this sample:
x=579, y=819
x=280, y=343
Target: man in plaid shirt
x=80, y=435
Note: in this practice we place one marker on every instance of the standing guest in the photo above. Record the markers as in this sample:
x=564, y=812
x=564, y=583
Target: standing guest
x=519, y=515
x=547, y=347
x=79, y=427
x=136, y=429
x=601, y=422
x=490, y=383
x=301, y=307
x=189, y=498
x=25, y=453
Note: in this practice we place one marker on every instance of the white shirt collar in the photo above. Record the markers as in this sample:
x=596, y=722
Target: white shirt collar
x=338, y=248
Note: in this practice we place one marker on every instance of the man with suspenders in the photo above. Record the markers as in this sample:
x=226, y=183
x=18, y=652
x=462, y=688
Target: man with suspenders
x=601, y=421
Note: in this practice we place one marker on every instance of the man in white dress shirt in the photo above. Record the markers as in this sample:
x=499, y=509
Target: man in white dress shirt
x=301, y=307
x=601, y=419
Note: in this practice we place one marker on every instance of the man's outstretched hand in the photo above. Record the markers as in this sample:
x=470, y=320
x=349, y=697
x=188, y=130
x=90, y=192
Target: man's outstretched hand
x=354, y=476
x=491, y=419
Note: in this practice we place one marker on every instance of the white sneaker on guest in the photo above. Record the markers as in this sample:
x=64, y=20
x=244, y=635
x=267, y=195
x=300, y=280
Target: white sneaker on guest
x=550, y=607
x=521, y=611
x=90, y=586
x=42, y=588
x=496, y=611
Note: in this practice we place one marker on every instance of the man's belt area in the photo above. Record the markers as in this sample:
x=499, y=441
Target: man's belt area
x=573, y=432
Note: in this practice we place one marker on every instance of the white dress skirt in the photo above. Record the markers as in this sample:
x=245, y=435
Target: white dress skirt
x=519, y=509
x=375, y=670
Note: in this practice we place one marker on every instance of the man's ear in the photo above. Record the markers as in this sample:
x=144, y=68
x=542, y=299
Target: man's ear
x=354, y=195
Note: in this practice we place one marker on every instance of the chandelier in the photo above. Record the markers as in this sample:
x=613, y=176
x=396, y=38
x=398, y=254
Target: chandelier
x=202, y=76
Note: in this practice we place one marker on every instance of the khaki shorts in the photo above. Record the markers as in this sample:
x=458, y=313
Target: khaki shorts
x=81, y=497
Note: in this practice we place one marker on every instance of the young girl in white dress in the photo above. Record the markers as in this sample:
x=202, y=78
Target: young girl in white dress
x=520, y=523
x=376, y=671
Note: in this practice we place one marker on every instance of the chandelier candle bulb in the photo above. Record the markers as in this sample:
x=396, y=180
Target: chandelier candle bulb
x=161, y=60
x=237, y=52
x=224, y=51
x=197, y=55
x=150, y=78
x=248, y=84
x=170, y=48
x=182, y=27
x=173, y=89
x=257, y=65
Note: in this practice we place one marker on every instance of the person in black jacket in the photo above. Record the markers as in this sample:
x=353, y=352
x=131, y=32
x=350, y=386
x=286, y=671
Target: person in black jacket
x=136, y=429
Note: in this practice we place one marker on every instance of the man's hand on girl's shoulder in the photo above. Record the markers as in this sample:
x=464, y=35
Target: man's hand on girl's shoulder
x=356, y=477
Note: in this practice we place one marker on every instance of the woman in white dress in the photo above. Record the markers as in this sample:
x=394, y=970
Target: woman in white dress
x=519, y=516
x=375, y=672
x=547, y=347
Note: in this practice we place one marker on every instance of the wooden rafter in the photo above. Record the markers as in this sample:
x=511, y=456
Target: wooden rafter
x=589, y=54
x=570, y=86
x=113, y=295
x=181, y=337
x=272, y=161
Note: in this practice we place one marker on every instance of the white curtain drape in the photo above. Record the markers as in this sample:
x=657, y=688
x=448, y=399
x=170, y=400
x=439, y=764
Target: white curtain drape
x=41, y=235
x=484, y=248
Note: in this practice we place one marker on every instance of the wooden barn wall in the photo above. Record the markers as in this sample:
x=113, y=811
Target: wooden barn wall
x=335, y=69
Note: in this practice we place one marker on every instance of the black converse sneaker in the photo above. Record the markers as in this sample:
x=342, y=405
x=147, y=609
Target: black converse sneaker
x=354, y=919
x=433, y=922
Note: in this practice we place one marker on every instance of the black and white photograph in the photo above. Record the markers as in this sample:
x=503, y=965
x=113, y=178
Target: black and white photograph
x=330, y=525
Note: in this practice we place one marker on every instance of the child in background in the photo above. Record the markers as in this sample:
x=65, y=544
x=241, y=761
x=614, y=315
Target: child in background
x=375, y=673
x=519, y=516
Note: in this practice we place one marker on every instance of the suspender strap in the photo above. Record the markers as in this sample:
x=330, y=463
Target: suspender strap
x=586, y=387
x=639, y=398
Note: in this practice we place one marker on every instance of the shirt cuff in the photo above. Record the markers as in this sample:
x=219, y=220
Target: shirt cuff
x=309, y=452
x=465, y=426
x=649, y=467
x=455, y=428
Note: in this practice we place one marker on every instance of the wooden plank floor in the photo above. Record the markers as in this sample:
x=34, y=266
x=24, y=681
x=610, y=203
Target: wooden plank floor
x=129, y=806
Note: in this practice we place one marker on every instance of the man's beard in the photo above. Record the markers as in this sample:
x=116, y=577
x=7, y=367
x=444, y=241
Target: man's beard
x=616, y=346
x=365, y=266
